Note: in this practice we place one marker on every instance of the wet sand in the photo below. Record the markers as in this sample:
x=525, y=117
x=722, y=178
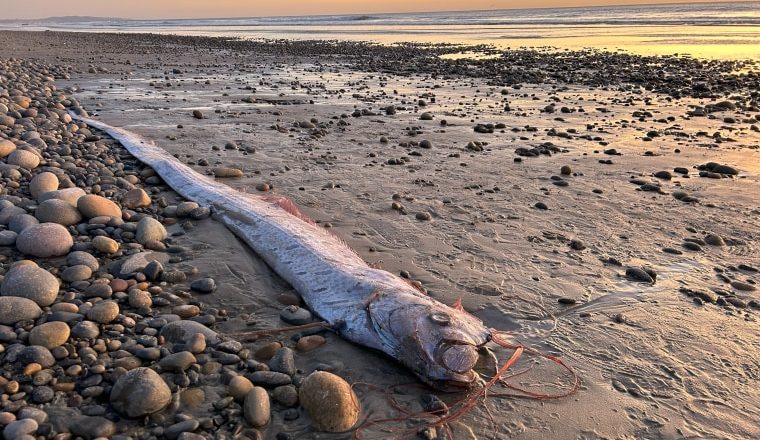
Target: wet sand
x=654, y=361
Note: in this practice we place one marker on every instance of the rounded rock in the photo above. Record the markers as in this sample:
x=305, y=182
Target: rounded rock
x=85, y=330
x=140, y=299
x=6, y=147
x=14, y=309
x=58, y=211
x=24, y=159
x=329, y=401
x=177, y=362
x=256, y=408
x=136, y=198
x=105, y=245
x=31, y=282
x=182, y=331
x=224, y=172
x=149, y=229
x=20, y=429
x=71, y=195
x=79, y=272
x=239, y=387
x=82, y=258
x=8, y=238
x=50, y=334
x=140, y=392
x=45, y=240
x=19, y=222
x=42, y=183
x=95, y=206
x=103, y=312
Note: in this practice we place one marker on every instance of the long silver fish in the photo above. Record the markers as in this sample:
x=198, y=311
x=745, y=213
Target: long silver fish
x=367, y=306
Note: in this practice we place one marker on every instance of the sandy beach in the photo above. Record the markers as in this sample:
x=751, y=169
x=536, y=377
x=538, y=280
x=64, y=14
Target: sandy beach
x=599, y=207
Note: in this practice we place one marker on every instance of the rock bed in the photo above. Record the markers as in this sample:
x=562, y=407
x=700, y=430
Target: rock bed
x=100, y=334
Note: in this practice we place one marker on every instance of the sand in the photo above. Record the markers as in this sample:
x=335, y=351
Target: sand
x=653, y=362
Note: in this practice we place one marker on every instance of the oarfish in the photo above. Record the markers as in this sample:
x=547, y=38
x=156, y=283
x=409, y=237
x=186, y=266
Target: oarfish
x=365, y=305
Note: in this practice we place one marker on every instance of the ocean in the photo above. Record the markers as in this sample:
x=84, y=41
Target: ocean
x=706, y=30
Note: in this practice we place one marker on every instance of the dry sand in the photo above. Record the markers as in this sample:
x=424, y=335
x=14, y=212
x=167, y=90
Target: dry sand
x=653, y=362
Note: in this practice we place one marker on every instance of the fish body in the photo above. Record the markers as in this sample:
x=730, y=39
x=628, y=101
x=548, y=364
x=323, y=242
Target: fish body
x=365, y=305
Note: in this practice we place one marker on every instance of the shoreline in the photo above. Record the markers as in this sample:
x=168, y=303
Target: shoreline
x=310, y=125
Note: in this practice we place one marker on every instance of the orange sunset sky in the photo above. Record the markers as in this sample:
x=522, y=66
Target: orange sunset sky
x=247, y=8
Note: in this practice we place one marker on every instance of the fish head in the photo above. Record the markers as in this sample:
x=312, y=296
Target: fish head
x=442, y=345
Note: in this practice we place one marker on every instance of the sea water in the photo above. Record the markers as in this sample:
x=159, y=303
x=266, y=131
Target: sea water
x=708, y=30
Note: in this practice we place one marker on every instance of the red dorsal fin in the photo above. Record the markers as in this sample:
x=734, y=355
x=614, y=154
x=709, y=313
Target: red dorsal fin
x=290, y=207
x=458, y=305
x=376, y=265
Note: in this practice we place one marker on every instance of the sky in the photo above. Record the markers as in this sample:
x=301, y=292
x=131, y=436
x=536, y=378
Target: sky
x=13, y=9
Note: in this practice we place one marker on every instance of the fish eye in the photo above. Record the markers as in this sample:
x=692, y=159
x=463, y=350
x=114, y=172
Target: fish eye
x=440, y=318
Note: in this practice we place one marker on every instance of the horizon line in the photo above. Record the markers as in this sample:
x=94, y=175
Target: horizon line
x=384, y=13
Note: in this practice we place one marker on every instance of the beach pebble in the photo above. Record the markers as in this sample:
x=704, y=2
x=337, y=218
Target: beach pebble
x=203, y=285
x=256, y=408
x=185, y=208
x=638, y=274
x=714, y=240
x=96, y=206
x=239, y=387
x=31, y=282
x=57, y=211
x=20, y=429
x=329, y=401
x=184, y=427
x=283, y=361
x=44, y=240
x=14, y=309
x=105, y=245
x=286, y=395
x=8, y=238
x=308, y=343
x=18, y=223
x=35, y=354
x=10, y=212
x=42, y=183
x=197, y=114
x=79, y=272
x=6, y=147
x=186, y=311
x=295, y=315
x=181, y=332
x=150, y=229
x=177, y=362
x=50, y=334
x=140, y=392
x=423, y=216
x=741, y=285
x=85, y=330
x=269, y=379
x=82, y=258
x=196, y=343
x=136, y=198
x=71, y=195
x=92, y=427
x=24, y=159
x=267, y=351
x=103, y=312
x=139, y=299
x=223, y=172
